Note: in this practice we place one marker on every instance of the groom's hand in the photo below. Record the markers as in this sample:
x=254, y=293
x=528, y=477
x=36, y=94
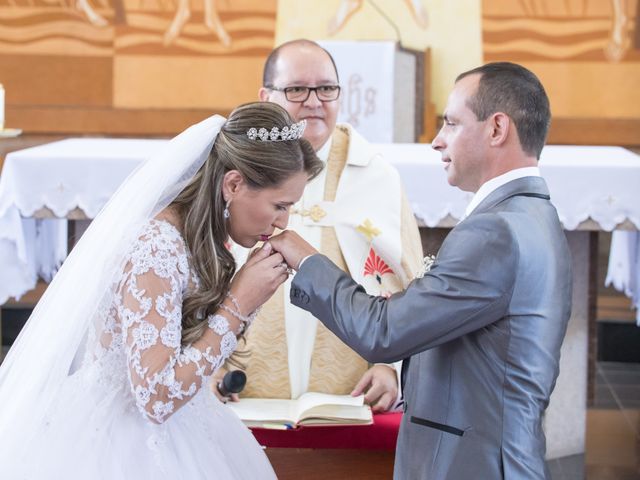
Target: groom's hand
x=292, y=247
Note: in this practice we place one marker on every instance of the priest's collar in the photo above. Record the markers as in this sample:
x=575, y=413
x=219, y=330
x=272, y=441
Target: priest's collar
x=323, y=152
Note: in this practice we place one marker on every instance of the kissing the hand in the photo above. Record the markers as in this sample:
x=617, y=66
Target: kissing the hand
x=292, y=247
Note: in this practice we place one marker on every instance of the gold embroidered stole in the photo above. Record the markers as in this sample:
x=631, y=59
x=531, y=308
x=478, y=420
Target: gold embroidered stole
x=335, y=368
x=267, y=366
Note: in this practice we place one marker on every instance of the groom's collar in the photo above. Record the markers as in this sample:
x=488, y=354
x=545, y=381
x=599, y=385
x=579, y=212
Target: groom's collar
x=526, y=186
x=492, y=185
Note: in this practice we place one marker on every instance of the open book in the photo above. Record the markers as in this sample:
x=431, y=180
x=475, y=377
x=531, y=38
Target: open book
x=309, y=409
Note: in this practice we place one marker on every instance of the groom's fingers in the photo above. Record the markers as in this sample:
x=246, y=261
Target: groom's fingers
x=287, y=241
x=259, y=254
x=293, y=247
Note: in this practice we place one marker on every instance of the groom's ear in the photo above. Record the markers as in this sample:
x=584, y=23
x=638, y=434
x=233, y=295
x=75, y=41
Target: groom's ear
x=499, y=126
x=232, y=182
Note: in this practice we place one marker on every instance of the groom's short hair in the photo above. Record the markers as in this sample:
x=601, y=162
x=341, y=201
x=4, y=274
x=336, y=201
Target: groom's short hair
x=512, y=89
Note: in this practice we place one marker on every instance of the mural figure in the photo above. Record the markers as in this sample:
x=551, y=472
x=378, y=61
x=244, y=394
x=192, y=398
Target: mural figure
x=82, y=6
x=94, y=17
x=211, y=21
x=619, y=38
x=347, y=8
x=183, y=14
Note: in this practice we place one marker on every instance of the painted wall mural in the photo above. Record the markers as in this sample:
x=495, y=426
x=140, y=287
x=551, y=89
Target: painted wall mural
x=588, y=30
x=584, y=51
x=204, y=55
x=134, y=54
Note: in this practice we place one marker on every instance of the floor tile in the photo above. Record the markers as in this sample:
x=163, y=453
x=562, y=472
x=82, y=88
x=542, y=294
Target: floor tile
x=555, y=469
x=604, y=398
x=607, y=367
x=612, y=438
x=572, y=467
x=626, y=392
x=620, y=377
x=632, y=416
x=596, y=472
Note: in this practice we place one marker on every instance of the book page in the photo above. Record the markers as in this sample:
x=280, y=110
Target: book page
x=337, y=415
x=309, y=400
x=323, y=408
x=265, y=410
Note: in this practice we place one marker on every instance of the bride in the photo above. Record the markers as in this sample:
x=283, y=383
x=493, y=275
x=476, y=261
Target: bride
x=108, y=378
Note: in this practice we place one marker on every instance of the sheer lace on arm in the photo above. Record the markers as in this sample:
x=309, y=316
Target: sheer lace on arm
x=164, y=375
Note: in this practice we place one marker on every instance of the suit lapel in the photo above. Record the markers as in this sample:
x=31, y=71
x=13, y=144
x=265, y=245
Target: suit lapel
x=526, y=186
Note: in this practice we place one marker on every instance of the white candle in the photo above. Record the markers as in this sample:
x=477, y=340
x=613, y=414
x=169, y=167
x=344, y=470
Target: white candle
x=1, y=107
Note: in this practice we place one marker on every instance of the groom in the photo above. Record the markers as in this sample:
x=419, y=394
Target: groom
x=483, y=327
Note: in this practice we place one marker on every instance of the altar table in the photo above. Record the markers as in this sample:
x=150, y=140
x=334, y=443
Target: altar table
x=73, y=178
x=593, y=188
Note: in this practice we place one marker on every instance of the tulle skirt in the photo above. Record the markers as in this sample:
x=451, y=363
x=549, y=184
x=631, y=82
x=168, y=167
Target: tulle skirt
x=97, y=433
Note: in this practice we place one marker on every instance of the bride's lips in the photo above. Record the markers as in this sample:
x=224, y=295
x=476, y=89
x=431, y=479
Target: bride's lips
x=264, y=238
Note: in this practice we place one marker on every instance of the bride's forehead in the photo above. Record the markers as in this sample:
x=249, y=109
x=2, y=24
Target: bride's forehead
x=292, y=185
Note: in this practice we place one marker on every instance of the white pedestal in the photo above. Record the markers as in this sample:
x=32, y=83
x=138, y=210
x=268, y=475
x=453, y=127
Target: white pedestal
x=565, y=418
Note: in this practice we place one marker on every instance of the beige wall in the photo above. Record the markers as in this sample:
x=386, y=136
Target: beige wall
x=452, y=31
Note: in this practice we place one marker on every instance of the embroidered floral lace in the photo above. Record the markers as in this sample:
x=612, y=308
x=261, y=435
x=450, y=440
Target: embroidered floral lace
x=141, y=328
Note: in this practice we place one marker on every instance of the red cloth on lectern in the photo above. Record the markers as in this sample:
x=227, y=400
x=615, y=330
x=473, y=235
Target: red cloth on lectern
x=381, y=435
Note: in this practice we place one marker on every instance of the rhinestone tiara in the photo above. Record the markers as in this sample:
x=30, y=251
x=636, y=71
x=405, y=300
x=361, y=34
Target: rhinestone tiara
x=293, y=132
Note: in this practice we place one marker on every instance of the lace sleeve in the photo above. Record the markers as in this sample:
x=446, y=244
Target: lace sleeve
x=164, y=375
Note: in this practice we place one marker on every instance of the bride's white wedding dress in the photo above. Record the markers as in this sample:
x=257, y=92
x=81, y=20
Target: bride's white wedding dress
x=139, y=405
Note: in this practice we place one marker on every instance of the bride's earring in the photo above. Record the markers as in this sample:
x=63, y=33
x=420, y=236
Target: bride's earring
x=225, y=213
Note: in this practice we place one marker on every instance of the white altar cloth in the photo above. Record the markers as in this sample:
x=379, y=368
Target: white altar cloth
x=61, y=176
x=600, y=183
x=623, y=272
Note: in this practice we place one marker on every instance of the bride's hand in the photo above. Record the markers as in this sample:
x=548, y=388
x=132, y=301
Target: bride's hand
x=292, y=247
x=216, y=379
x=258, y=279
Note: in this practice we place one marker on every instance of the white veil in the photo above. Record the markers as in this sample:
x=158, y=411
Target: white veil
x=42, y=357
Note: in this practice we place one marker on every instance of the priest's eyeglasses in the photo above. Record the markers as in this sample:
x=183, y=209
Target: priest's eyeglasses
x=325, y=93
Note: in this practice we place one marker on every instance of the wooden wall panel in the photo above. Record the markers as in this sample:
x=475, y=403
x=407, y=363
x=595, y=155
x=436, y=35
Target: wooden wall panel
x=595, y=131
x=106, y=121
x=57, y=80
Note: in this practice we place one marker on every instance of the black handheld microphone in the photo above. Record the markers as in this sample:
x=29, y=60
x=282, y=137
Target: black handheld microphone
x=233, y=382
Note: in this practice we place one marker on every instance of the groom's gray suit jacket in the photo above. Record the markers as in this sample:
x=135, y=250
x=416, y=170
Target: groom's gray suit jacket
x=482, y=329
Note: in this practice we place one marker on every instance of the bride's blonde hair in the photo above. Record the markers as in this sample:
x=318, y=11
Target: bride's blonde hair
x=200, y=205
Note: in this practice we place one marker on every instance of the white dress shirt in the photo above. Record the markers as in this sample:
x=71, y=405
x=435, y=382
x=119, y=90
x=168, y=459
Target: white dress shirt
x=491, y=185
